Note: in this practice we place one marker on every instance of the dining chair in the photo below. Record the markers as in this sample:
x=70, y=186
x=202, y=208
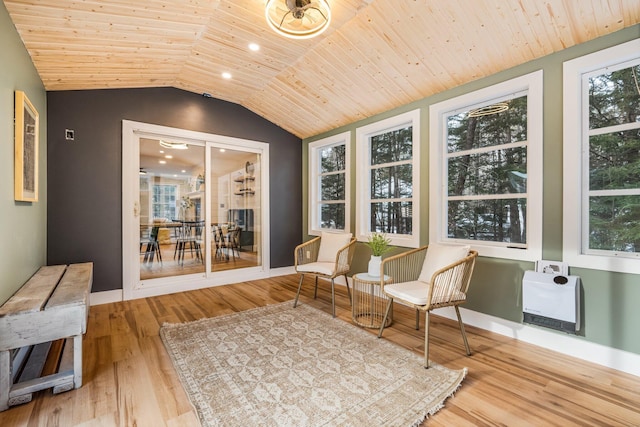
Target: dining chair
x=427, y=278
x=221, y=242
x=327, y=256
x=152, y=249
x=234, y=241
x=189, y=239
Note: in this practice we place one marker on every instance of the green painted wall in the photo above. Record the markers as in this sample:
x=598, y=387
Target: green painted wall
x=22, y=225
x=609, y=318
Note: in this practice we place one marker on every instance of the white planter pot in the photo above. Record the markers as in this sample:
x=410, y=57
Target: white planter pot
x=374, y=266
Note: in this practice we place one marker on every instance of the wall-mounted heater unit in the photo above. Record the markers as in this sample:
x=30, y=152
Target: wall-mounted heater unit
x=551, y=300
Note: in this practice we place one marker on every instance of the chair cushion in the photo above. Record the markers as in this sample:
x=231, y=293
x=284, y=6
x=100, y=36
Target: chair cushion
x=330, y=244
x=415, y=292
x=326, y=268
x=439, y=256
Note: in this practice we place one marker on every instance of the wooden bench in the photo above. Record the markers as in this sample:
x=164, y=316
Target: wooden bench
x=53, y=305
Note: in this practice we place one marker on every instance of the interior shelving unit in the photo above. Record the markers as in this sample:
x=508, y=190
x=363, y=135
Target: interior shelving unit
x=244, y=185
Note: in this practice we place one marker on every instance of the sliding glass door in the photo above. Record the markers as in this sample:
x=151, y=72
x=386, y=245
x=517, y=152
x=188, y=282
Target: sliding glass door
x=172, y=214
x=235, y=208
x=198, y=210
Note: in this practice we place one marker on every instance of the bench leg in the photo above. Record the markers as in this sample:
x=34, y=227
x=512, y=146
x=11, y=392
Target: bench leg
x=5, y=379
x=77, y=361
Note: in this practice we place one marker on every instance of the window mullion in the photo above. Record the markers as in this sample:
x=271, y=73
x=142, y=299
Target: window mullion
x=486, y=149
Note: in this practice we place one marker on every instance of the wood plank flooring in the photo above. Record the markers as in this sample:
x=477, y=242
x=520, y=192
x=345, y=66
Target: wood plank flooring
x=170, y=266
x=129, y=379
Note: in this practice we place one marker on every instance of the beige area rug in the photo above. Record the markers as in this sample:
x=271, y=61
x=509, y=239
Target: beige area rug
x=284, y=366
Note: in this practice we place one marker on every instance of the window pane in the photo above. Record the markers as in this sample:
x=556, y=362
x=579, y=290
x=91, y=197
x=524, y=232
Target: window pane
x=332, y=159
x=164, y=201
x=495, y=172
x=614, y=160
x=392, y=182
x=614, y=223
x=332, y=216
x=614, y=98
x=490, y=129
x=332, y=187
x=392, y=217
x=394, y=146
x=495, y=220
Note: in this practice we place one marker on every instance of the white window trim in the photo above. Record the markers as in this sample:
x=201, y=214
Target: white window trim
x=574, y=112
x=314, y=186
x=531, y=83
x=363, y=177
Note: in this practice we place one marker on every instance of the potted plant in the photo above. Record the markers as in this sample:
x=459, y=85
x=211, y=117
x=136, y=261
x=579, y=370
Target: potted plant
x=379, y=243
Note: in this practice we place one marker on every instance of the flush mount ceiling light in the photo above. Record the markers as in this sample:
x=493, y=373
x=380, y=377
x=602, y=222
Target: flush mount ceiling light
x=173, y=145
x=298, y=19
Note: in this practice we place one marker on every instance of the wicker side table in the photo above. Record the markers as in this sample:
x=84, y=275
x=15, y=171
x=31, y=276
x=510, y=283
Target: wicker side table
x=369, y=303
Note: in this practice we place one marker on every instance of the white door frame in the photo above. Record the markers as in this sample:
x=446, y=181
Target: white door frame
x=132, y=286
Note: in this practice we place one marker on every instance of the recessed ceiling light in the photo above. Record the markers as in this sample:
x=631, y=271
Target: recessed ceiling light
x=222, y=150
x=226, y=75
x=162, y=162
x=183, y=171
x=168, y=156
x=254, y=47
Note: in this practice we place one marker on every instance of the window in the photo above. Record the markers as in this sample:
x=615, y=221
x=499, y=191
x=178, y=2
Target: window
x=329, y=206
x=602, y=159
x=486, y=169
x=388, y=177
x=164, y=201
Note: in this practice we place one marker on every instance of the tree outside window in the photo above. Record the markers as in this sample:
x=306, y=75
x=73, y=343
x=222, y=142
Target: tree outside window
x=613, y=172
x=487, y=172
x=486, y=169
x=601, y=159
x=329, y=184
x=392, y=182
x=388, y=179
x=332, y=187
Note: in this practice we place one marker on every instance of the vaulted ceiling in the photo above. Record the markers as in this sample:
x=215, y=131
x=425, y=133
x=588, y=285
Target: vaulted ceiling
x=376, y=55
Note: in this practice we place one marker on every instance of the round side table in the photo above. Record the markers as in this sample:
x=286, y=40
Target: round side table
x=369, y=303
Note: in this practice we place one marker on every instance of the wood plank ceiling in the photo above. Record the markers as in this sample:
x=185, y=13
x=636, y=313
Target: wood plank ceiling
x=377, y=54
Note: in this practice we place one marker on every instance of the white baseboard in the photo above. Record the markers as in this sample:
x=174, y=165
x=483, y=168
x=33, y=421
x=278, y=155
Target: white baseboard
x=105, y=297
x=569, y=345
x=282, y=271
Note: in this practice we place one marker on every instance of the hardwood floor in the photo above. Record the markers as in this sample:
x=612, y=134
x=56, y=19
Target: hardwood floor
x=129, y=379
x=171, y=266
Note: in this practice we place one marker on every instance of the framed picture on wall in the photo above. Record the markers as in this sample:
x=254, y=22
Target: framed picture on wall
x=26, y=149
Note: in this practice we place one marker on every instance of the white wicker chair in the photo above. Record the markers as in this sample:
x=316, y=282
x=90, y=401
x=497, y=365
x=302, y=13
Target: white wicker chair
x=327, y=259
x=412, y=280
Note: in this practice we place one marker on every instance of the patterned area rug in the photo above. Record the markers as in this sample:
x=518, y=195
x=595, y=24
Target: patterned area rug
x=284, y=366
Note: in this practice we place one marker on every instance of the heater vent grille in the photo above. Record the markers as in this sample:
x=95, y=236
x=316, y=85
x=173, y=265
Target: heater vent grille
x=547, y=322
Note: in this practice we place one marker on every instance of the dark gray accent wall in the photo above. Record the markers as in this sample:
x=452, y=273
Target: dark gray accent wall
x=85, y=175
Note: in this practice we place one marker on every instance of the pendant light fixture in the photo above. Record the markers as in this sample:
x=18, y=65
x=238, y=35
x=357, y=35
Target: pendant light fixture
x=298, y=19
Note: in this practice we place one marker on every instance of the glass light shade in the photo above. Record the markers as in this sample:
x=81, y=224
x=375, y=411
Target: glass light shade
x=298, y=19
x=173, y=145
